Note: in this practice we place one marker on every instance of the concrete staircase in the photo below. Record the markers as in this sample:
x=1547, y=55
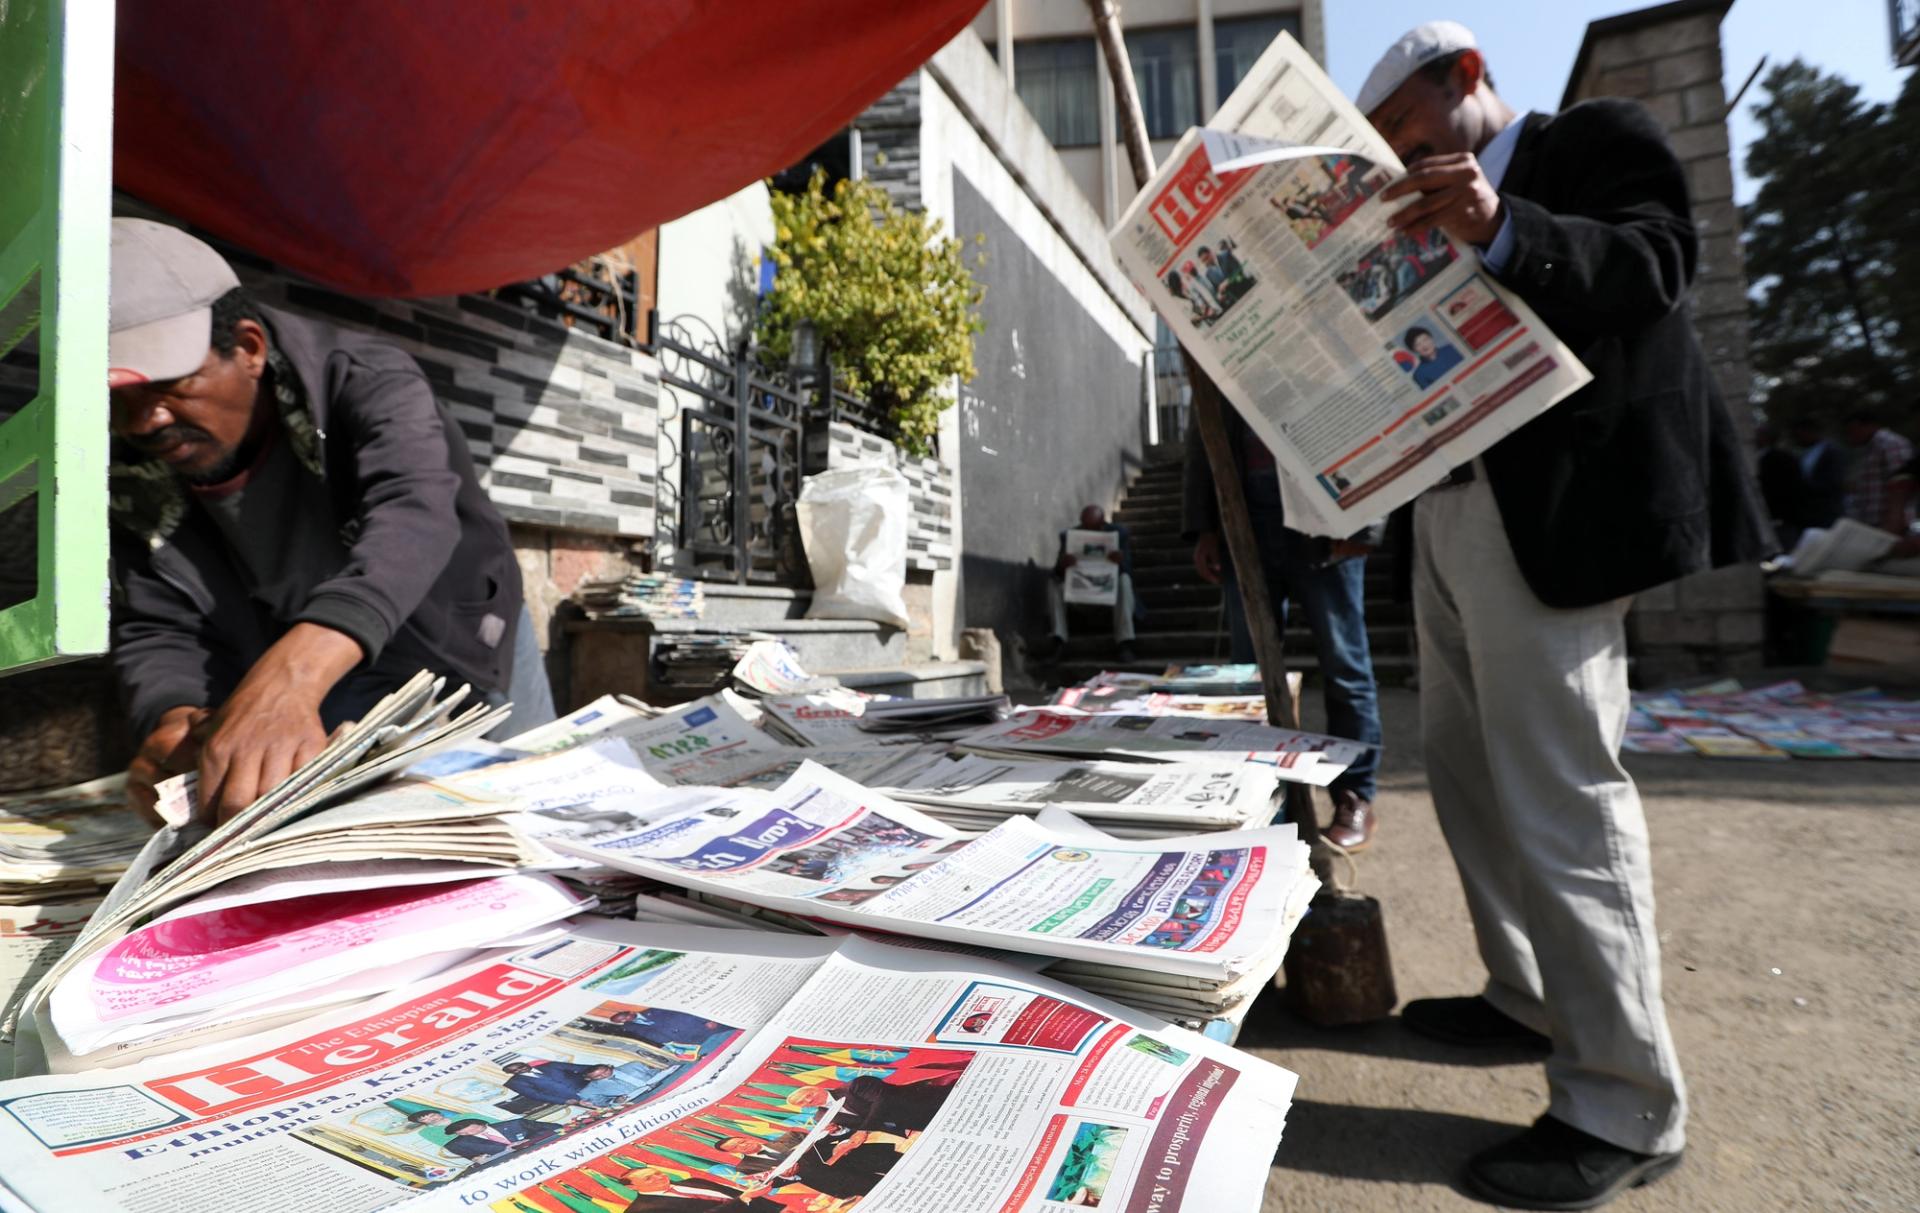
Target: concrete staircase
x=1184, y=621
x=616, y=655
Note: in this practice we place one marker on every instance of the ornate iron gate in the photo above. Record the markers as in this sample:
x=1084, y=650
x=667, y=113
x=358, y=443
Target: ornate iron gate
x=741, y=446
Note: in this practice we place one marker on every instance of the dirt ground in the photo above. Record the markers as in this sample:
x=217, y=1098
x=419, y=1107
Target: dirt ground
x=1789, y=912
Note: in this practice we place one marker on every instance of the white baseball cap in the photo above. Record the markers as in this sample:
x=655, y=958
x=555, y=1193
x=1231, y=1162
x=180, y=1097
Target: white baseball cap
x=160, y=302
x=1416, y=48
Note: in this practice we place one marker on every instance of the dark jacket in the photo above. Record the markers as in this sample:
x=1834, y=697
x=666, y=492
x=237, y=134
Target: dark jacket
x=1825, y=498
x=519, y=1131
x=430, y=580
x=1639, y=477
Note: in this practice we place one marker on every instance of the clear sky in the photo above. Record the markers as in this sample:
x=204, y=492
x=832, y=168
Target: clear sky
x=1530, y=47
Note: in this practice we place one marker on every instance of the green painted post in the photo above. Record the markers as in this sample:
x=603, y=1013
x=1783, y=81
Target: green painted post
x=56, y=139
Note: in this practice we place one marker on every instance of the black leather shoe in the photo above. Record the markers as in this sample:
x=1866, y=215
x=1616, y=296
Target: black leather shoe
x=1470, y=1021
x=1556, y=1166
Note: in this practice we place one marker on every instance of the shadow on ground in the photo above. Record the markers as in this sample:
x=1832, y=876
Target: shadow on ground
x=1270, y=1026
x=1383, y=1145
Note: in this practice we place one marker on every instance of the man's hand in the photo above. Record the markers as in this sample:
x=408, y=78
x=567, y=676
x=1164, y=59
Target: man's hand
x=1115, y=556
x=270, y=726
x=1455, y=196
x=1347, y=549
x=168, y=751
x=1067, y=560
x=1206, y=557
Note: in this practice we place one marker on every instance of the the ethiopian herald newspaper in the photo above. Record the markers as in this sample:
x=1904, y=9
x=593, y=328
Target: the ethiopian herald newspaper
x=1369, y=361
x=635, y=1067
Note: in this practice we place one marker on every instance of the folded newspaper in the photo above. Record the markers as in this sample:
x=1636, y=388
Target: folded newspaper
x=307, y=819
x=1370, y=361
x=631, y=1067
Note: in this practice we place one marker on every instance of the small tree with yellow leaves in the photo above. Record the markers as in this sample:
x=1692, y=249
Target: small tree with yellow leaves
x=891, y=298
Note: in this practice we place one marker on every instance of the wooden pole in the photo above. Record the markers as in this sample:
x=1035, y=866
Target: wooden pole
x=1338, y=967
x=1236, y=524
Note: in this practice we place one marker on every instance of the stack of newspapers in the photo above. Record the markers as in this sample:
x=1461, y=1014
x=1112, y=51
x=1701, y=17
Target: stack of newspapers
x=1191, y=926
x=642, y=596
x=625, y=1066
x=337, y=884
x=69, y=842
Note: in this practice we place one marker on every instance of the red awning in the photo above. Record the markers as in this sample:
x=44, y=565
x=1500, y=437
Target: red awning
x=429, y=147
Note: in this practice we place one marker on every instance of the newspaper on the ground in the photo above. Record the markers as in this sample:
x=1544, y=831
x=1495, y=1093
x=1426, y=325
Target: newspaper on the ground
x=638, y=1067
x=1847, y=545
x=1174, y=796
x=289, y=939
x=1299, y=757
x=606, y=771
x=1369, y=361
x=1214, y=905
x=61, y=843
x=31, y=939
x=696, y=742
x=309, y=816
x=1094, y=576
x=828, y=718
x=606, y=715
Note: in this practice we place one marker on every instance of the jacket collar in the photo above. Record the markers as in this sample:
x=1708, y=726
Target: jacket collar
x=1520, y=169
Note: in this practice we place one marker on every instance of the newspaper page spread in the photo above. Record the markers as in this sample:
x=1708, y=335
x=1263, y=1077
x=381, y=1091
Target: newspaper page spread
x=1094, y=576
x=1369, y=361
x=1213, y=905
x=691, y=1065
x=1312, y=758
x=1223, y=794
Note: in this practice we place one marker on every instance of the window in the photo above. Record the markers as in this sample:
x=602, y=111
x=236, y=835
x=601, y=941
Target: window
x=1166, y=69
x=1240, y=41
x=1060, y=84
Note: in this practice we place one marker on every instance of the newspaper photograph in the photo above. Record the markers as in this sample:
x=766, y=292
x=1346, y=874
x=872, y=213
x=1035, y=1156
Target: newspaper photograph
x=634, y=1066
x=1369, y=361
x=822, y=847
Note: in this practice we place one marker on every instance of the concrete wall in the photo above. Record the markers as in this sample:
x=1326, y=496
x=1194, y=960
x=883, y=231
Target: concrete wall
x=1668, y=58
x=1101, y=170
x=1053, y=418
x=709, y=265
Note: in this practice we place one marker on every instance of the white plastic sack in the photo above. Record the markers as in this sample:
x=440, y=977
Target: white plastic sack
x=853, y=523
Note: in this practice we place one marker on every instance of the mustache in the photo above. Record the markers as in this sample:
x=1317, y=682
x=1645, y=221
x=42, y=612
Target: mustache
x=166, y=436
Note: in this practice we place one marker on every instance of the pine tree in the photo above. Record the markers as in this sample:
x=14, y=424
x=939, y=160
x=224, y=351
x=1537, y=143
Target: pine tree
x=1834, y=324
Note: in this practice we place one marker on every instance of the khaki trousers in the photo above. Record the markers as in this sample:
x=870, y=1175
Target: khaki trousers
x=1522, y=710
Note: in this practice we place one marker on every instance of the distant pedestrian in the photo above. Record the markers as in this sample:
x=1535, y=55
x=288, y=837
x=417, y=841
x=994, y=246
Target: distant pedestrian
x=1782, y=484
x=1879, y=454
x=1328, y=579
x=1823, y=472
x=1093, y=518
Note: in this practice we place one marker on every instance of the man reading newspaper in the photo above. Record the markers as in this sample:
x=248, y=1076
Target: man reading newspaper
x=1526, y=561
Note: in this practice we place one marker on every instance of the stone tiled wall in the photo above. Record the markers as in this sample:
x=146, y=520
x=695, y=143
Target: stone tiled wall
x=929, y=485
x=1670, y=62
